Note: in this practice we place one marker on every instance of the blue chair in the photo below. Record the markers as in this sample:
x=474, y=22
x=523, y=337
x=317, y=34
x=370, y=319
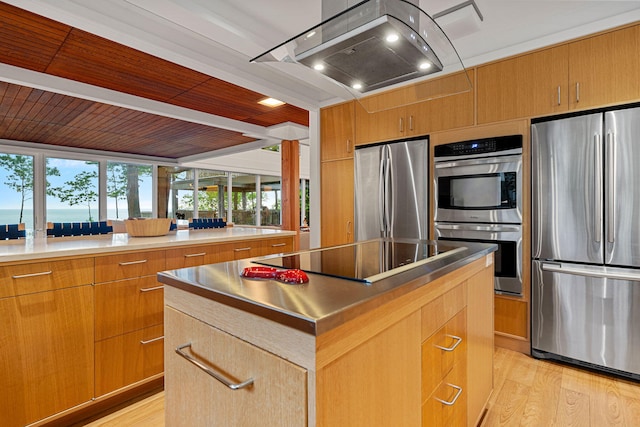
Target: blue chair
x=59, y=229
x=12, y=231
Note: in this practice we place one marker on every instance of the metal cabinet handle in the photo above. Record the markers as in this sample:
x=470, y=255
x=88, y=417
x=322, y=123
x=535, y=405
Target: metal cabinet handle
x=348, y=146
x=348, y=228
x=453, y=347
x=142, y=261
x=559, y=101
x=401, y=124
x=22, y=276
x=218, y=376
x=577, y=91
x=195, y=255
x=243, y=249
x=156, y=288
x=278, y=245
x=143, y=342
x=450, y=403
x=410, y=122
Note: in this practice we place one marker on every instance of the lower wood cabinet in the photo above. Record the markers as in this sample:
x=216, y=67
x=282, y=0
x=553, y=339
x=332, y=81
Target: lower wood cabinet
x=276, y=397
x=126, y=359
x=46, y=354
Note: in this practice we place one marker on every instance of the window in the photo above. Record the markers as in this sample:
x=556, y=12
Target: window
x=175, y=192
x=212, y=198
x=16, y=187
x=128, y=190
x=270, y=204
x=243, y=199
x=72, y=190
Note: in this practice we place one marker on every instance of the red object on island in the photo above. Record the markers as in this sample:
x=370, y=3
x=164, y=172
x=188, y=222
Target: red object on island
x=293, y=276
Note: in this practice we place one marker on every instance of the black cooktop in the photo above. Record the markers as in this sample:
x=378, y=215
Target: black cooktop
x=360, y=261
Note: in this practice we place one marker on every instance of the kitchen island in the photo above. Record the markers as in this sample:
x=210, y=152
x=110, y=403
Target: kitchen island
x=410, y=344
x=82, y=317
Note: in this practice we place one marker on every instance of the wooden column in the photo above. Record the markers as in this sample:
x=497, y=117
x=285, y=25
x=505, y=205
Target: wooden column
x=290, y=158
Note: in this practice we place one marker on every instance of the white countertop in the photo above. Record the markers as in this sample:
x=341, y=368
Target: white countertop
x=50, y=247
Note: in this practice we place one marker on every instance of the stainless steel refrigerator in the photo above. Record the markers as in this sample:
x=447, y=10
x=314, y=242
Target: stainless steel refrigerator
x=391, y=190
x=586, y=240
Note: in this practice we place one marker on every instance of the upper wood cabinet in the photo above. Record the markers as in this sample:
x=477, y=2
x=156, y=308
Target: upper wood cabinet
x=414, y=117
x=337, y=131
x=605, y=69
x=527, y=85
x=587, y=73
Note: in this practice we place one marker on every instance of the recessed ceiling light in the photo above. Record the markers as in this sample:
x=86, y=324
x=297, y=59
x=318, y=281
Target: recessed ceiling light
x=425, y=65
x=318, y=67
x=392, y=38
x=356, y=86
x=271, y=102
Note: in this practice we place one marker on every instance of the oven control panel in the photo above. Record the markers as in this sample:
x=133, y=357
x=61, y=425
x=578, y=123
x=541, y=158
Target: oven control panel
x=479, y=146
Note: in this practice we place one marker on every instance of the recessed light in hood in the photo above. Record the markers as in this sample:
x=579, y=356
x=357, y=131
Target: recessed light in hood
x=372, y=45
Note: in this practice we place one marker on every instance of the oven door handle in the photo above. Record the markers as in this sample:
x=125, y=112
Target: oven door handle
x=468, y=227
x=479, y=161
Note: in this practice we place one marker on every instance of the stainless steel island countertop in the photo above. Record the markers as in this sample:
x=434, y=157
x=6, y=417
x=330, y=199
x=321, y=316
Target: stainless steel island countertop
x=327, y=300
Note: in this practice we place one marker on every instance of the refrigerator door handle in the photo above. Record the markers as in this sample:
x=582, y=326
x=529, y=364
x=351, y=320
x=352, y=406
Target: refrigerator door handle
x=599, y=273
x=381, y=195
x=611, y=187
x=391, y=196
x=598, y=188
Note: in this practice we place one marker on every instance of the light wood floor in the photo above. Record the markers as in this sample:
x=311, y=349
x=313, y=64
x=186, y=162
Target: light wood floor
x=527, y=392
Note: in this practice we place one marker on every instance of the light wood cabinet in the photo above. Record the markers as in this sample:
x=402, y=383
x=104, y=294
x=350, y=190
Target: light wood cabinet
x=196, y=255
x=605, y=69
x=591, y=72
x=337, y=124
x=277, y=396
x=125, y=359
x=528, y=85
x=337, y=202
x=274, y=246
x=125, y=266
x=400, y=113
x=46, y=354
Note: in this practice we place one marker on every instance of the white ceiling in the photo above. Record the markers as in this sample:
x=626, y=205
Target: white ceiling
x=218, y=37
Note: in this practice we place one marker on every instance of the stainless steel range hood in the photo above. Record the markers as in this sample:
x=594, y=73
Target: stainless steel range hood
x=372, y=45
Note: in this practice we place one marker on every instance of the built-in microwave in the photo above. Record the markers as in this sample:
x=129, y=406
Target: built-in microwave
x=479, y=181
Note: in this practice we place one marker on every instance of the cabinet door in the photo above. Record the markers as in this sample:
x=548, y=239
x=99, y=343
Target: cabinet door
x=277, y=397
x=336, y=203
x=128, y=305
x=126, y=359
x=605, y=69
x=382, y=125
x=46, y=354
x=125, y=266
x=337, y=131
x=440, y=112
x=528, y=85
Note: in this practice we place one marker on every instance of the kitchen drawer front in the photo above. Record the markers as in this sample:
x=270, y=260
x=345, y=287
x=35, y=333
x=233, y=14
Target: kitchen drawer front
x=22, y=279
x=129, y=358
x=126, y=266
x=278, y=395
x=444, y=349
x=191, y=256
x=128, y=305
x=276, y=246
x=439, y=311
x=451, y=390
x=247, y=249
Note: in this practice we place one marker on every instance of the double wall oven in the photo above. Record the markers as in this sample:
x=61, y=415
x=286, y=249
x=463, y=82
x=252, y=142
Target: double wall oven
x=478, y=195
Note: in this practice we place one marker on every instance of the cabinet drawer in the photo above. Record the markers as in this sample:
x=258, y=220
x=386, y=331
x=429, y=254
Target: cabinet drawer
x=452, y=390
x=278, y=395
x=247, y=249
x=126, y=359
x=125, y=266
x=445, y=348
x=21, y=279
x=276, y=246
x=438, y=312
x=192, y=256
x=128, y=305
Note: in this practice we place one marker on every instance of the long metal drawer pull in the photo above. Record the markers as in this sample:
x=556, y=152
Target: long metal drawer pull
x=243, y=249
x=450, y=403
x=554, y=268
x=277, y=245
x=143, y=342
x=577, y=91
x=195, y=255
x=142, y=261
x=211, y=372
x=155, y=288
x=22, y=276
x=453, y=347
x=559, y=102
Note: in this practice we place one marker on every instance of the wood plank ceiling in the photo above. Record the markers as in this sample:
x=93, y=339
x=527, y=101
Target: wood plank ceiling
x=40, y=44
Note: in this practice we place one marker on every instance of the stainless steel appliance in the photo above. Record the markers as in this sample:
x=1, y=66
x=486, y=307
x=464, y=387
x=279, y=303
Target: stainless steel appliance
x=478, y=193
x=391, y=190
x=586, y=240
